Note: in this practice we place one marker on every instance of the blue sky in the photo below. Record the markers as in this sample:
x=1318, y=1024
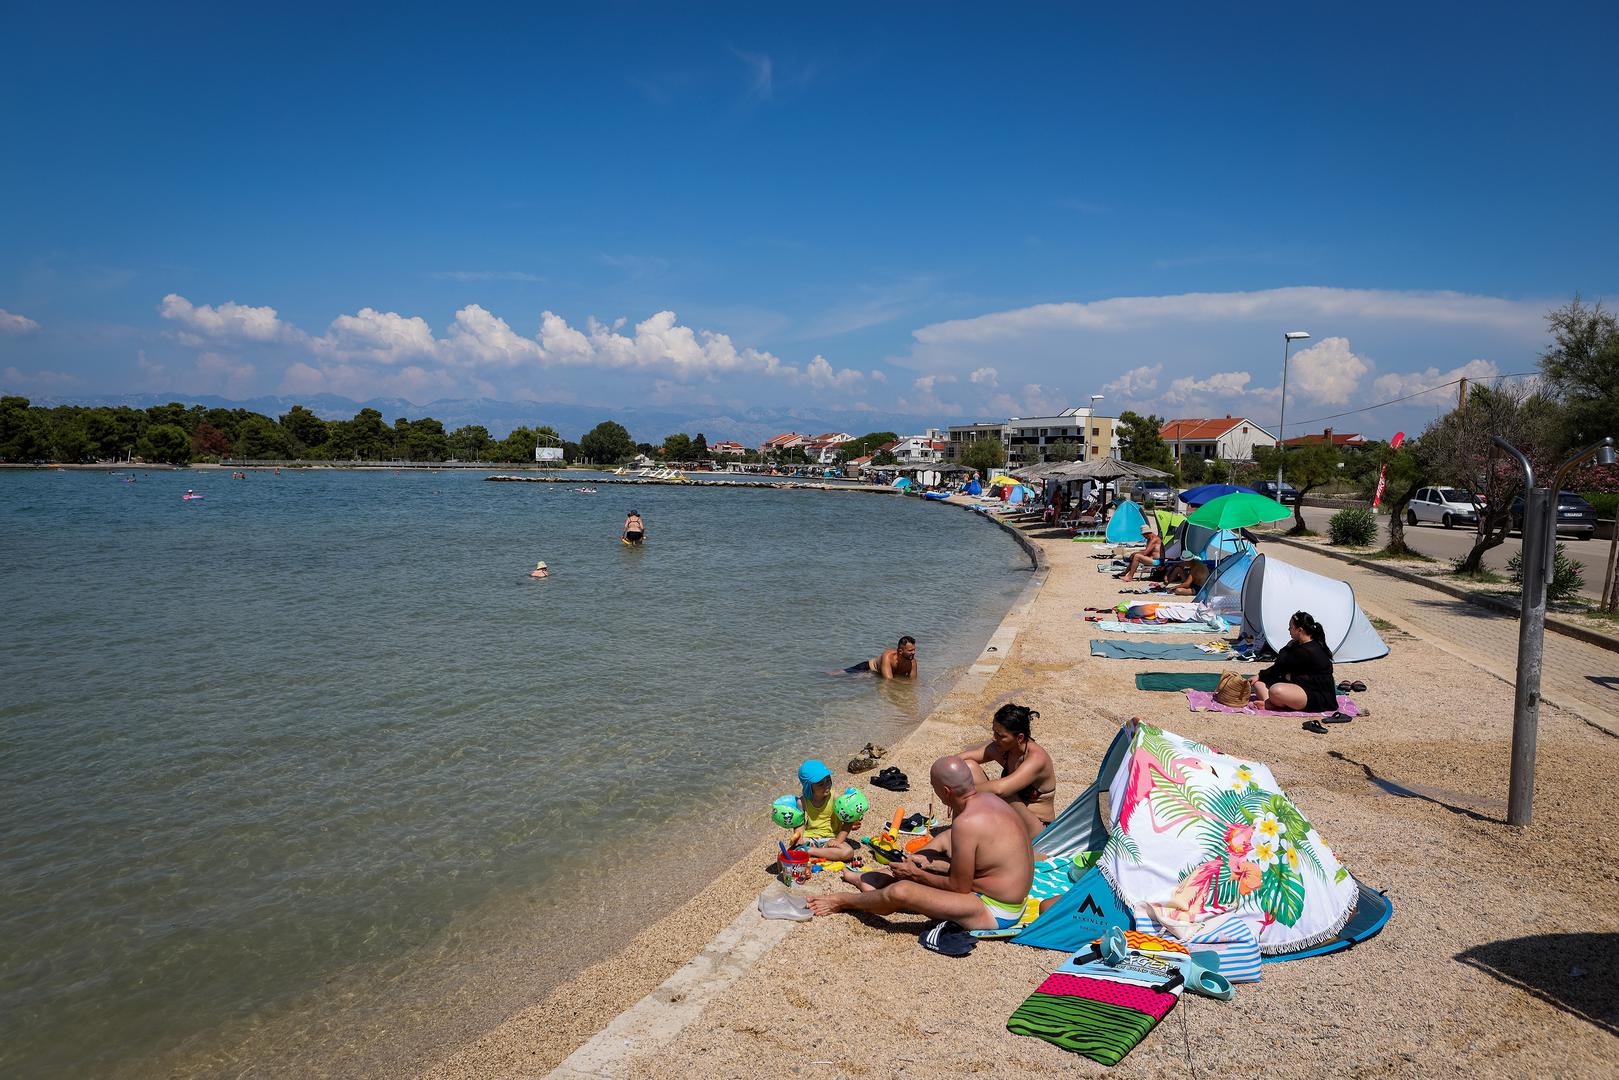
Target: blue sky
x=935, y=209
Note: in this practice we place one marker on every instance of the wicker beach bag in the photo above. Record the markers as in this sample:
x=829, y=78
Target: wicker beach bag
x=1234, y=690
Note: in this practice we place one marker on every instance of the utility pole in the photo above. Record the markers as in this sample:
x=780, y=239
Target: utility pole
x=1461, y=394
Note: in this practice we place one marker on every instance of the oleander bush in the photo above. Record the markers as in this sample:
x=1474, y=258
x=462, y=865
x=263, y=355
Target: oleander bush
x=1568, y=576
x=1606, y=502
x=1354, y=526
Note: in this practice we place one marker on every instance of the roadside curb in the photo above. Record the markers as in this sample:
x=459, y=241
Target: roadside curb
x=1554, y=624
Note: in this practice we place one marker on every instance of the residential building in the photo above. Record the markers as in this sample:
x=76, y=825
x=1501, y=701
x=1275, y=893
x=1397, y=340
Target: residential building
x=918, y=449
x=782, y=442
x=961, y=436
x=727, y=449
x=1233, y=438
x=1029, y=439
x=823, y=449
x=1342, y=442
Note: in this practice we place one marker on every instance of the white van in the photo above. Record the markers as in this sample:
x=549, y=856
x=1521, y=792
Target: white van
x=1447, y=506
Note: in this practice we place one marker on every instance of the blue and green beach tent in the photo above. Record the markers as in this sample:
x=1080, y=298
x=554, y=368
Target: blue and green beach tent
x=1124, y=527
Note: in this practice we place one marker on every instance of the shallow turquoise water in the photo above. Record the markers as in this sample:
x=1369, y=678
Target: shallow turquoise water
x=312, y=754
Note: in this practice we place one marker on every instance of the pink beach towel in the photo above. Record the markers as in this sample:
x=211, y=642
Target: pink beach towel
x=1203, y=701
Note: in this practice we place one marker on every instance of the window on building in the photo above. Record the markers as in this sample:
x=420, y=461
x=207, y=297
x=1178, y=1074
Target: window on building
x=1095, y=431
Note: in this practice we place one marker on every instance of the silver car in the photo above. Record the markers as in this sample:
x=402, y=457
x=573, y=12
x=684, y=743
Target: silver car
x=1446, y=506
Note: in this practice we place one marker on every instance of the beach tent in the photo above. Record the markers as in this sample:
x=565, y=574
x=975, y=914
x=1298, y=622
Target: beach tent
x=1273, y=590
x=1222, y=592
x=1186, y=826
x=974, y=488
x=904, y=483
x=1124, y=527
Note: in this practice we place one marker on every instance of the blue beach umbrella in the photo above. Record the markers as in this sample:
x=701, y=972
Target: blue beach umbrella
x=1209, y=492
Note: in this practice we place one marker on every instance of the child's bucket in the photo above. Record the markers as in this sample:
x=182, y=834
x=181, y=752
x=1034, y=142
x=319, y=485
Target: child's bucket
x=795, y=867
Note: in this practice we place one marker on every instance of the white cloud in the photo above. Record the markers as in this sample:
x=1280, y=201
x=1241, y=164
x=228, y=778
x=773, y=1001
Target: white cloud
x=984, y=375
x=1327, y=372
x=215, y=373
x=1135, y=383
x=228, y=321
x=762, y=80
x=926, y=383
x=383, y=337
x=1399, y=385
x=1220, y=384
x=1523, y=318
x=300, y=378
x=16, y=324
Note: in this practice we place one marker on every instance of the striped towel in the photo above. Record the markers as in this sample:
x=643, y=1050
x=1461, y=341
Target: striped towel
x=1231, y=938
x=1100, y=1015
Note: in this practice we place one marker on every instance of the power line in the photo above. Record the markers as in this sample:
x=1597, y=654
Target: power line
x=1419, y=393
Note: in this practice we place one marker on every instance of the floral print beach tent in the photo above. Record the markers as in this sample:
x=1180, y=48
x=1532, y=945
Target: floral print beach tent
x=1206, y=848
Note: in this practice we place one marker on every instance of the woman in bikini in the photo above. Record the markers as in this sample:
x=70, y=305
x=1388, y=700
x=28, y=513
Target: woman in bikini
x=1028, y=779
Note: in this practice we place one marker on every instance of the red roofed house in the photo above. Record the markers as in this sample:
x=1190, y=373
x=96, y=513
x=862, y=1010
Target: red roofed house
x=1327, y=436
x=734, y=449
x=1231, y=439
x=782, y=442
x=823, y=449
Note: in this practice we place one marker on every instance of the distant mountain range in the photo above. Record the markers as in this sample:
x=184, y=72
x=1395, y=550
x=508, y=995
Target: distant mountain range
x=748, y=426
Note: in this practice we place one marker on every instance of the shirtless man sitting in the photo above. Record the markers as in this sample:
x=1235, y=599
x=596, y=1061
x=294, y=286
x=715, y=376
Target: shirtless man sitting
x=978, y=873
x=896, y=663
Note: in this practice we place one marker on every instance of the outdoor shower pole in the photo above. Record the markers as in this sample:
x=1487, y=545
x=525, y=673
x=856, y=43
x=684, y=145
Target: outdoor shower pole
x=1531, y=640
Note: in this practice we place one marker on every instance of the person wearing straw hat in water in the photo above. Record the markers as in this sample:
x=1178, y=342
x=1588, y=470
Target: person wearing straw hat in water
x=540, y=570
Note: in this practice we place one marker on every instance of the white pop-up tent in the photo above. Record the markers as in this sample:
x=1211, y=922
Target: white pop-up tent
x=1274, y=590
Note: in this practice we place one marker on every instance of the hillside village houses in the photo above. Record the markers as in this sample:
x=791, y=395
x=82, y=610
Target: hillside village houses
x=1232, y=438
x=727, y=449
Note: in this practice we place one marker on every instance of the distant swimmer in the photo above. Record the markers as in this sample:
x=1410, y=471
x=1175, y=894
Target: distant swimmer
x=896, y=663
x=634, y=528
x=190, y=495
x=540, y=570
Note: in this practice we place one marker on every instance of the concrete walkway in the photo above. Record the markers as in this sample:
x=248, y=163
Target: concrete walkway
x=1575, y=676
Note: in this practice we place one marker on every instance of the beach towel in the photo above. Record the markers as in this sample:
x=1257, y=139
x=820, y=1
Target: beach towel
x=1154, y=650
x=1217, y=626
x=1098, y=1011
x=1198, y=837
x=1202, y=701
x=1176, y=680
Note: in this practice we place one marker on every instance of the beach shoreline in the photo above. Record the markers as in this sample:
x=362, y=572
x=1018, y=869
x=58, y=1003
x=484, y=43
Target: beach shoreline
x=542, y=1037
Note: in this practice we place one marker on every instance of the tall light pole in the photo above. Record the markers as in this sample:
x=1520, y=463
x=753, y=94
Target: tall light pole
x=1539, y=562
x=1092, y=418
x=1281, y=426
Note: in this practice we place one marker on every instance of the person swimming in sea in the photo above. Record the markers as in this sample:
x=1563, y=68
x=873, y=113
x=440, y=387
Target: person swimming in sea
x=896, y=663
x=634, y=528
x=540, y=570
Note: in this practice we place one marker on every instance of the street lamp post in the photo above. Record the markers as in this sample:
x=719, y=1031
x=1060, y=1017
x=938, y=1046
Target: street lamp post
x=1281, y=425
x=1091, y=422
x=1539, y=559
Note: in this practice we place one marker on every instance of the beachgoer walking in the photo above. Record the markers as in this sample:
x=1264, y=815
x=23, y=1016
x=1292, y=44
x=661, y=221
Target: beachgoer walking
x=977, y=873
x=1028, y=780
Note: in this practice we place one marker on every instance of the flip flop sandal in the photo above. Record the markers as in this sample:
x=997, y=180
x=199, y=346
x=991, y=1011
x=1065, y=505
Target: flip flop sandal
x=1315, y=726
x=1357, y=686
x=1345, y=686
x=1336, y=718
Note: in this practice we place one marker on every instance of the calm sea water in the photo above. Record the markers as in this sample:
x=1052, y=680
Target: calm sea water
x=307, y=776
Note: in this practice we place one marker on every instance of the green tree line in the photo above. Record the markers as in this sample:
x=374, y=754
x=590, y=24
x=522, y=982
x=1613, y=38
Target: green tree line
x=177, y=434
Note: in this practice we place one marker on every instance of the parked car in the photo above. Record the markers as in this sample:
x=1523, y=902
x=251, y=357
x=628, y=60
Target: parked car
x=1446, y=505
x=1286, y=494
x=1574, y=515
x=1154, y=491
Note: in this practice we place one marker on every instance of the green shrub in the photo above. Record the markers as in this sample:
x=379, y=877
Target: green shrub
x=1568, y=576
x=1606, y=502
x=1354, y=526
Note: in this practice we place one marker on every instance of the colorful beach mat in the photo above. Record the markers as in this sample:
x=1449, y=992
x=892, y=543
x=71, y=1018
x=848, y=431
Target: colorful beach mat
x=1155, y=650
x=1119, y=626
x=1203, y=701
x=1098, y=1011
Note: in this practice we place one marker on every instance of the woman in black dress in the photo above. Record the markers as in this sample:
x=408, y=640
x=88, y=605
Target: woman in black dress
x=1301, y=678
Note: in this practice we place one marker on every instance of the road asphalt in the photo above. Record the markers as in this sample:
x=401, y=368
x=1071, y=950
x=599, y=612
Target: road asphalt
x=1439, y=542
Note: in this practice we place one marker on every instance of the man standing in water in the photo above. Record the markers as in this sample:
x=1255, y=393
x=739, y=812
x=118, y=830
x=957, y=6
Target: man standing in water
x=634, y=528
x=896, y=663
x=977, y=874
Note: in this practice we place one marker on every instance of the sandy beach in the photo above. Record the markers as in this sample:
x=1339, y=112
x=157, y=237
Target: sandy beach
x=1500, y=959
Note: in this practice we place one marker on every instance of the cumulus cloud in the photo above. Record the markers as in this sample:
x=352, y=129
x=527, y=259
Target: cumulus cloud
x=16, y=324
x=216, y=373
x=1136, y=383
x=228, y=321
x=1327, y=372
x=984, y=375
x=1399, y=385
x=384, y=337
x=1220, y=384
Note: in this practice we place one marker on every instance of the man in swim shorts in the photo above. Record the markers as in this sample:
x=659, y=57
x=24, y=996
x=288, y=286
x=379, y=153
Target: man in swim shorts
x=977, y=874
x=634, y=528
x=896, y=663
